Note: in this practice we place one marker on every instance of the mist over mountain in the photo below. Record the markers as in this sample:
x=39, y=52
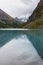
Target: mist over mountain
x=29, y=18
x=18, y=8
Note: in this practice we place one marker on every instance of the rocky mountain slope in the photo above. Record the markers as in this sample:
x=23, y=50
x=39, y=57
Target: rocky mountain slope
x=36, y=19
x=7, y=21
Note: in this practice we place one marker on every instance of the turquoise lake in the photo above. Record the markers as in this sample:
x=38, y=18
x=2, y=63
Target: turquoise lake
x=18, y=39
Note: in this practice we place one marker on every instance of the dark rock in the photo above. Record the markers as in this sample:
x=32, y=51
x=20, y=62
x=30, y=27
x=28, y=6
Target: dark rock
x=38, y=12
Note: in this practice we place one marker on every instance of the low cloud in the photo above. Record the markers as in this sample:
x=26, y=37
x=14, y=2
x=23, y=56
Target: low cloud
x=18, y=8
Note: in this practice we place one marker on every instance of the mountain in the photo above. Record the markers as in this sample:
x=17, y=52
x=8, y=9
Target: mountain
x=21, y=20
x=36, y=19
x=7, y=21
x=38, y=12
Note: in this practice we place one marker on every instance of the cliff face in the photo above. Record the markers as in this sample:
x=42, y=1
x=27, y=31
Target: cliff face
x=38, y=12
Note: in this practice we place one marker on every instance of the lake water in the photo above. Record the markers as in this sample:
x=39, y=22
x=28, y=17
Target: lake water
x=21, y=47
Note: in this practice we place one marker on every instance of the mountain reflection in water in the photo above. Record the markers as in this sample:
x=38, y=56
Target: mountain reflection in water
x=21, y=47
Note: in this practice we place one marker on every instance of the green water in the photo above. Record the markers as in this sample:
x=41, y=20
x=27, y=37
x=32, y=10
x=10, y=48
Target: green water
x=35, y=36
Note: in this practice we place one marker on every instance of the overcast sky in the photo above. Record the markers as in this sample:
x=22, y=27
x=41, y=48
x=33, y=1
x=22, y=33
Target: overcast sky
x=18, y=8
